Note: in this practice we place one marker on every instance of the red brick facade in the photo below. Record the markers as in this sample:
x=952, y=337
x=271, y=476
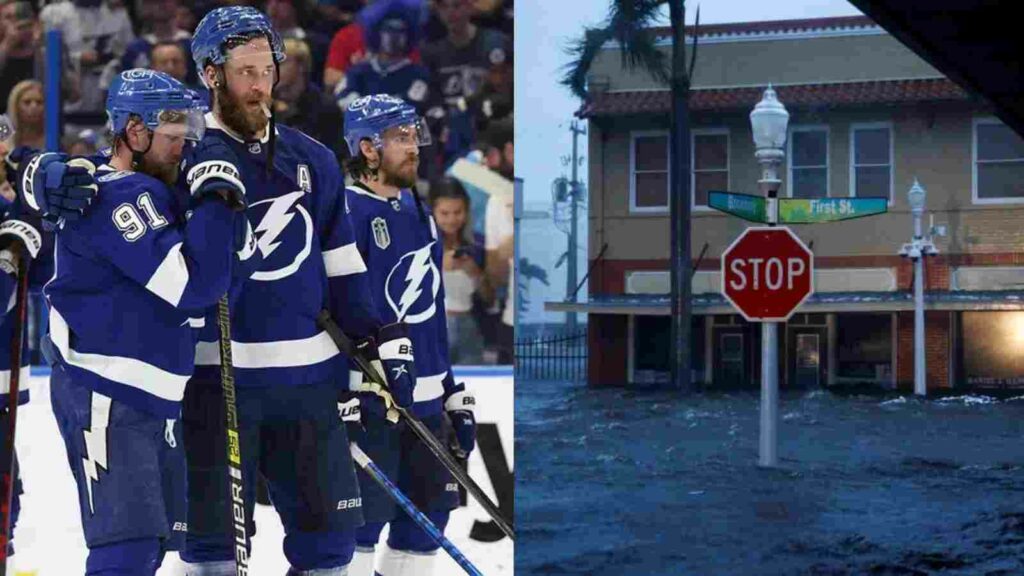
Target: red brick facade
x=937, y=349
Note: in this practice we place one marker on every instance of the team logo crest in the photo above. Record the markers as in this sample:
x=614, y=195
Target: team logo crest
x=285, y=236
x=412, y=286
x=381, y=236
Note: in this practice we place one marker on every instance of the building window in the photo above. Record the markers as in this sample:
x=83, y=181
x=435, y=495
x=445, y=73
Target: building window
x=998, y=163
x=808, y=161
x=991, y=347
x=871, y=158
x=709, y=151
x=648, y=172
x=863, y=348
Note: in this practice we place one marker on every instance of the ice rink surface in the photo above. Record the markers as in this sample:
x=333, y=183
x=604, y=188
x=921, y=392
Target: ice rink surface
x=48, y=539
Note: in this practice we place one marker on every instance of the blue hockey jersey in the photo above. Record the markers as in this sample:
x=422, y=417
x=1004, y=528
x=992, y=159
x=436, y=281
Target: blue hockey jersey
x=132, y=280
x=40, y=271
x=305, y=239
x=400, y=244
x=404, y=79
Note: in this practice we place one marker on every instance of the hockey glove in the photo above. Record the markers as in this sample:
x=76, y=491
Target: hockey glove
x=16, y=233
x=395, y=350
x=460, y=406
x=51, y=185
x=393, y=361
x=214, y=168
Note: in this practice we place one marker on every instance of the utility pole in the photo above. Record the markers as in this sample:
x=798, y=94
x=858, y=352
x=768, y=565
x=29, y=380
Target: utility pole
x=577, y=130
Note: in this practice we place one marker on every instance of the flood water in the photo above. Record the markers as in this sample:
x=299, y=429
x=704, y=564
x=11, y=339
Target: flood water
x=632, y=483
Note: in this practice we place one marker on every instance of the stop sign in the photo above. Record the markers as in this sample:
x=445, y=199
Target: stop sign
x=767, y=273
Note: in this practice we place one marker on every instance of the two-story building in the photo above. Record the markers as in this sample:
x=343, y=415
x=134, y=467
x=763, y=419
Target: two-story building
x=867, y=117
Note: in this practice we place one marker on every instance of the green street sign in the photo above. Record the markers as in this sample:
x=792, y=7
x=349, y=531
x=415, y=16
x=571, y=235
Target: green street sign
x=814, y=210
x=746, y=206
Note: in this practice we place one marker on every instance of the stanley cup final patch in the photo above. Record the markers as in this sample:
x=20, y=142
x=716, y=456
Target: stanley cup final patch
x=381, y=236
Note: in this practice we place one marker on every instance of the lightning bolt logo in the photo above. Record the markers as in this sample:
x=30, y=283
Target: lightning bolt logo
x=420, y=265
x=96, y=443
x=275, y=221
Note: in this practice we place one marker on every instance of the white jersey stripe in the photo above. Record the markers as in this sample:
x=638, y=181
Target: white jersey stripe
x=280, y=354
x=344, y=261
x=5, y=380
x=427, y=387
x=171, y=277
x=128, y=371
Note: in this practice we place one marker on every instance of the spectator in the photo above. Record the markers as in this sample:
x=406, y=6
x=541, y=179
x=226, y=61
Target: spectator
x=185, y=19
x=84, y=143
x=498, y=145
x=499, y=238
x=348, y=47
x=97, y=34
x=463, y=59
x=332, y=15
x=170, y=58
x=20, y=46
x=300, y=104
x=285, y=18
x=463, y=266
x=25, y=110
x=388, y=68
x=161, y=19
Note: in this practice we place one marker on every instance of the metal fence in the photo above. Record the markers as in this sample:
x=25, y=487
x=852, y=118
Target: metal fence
x=558, y=357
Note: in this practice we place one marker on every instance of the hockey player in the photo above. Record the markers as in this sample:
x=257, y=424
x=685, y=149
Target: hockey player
x=20, y=240
x=132, y=277
x=399, y=241
x=286, y=368
x=21, y=244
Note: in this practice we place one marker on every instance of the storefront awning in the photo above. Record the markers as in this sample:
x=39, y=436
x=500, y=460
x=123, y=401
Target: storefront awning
x=708, y=304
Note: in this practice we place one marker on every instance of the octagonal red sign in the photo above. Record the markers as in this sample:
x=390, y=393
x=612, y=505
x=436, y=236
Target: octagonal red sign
x=767, y=272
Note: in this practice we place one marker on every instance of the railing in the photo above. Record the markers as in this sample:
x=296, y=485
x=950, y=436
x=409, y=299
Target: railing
x=560, y=357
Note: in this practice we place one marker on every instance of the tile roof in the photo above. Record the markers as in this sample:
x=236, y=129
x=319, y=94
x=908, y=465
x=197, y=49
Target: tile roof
x=775, y=26
x=795, y=96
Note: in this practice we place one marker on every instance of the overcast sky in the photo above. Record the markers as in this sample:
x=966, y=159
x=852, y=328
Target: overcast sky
x=544, y=108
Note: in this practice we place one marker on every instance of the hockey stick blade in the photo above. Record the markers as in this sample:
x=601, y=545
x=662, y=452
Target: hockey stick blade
x=344, y=343
x=419, y=517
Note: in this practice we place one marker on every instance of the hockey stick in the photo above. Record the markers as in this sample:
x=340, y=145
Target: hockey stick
x=21, y=314
x=344, y=343
x=419, y=517
x=236, y=498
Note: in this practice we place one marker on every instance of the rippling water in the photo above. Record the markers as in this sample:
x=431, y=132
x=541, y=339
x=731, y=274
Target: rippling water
x=617, y=482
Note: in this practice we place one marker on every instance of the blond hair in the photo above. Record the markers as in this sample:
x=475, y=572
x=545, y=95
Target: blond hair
x=17, y=93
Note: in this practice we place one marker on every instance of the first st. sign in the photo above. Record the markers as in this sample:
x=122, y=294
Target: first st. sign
x=767, y=273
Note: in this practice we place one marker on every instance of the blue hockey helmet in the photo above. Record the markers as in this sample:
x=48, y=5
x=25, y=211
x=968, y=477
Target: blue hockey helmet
x=371, y=116
x=224, y=24
x=163, y=103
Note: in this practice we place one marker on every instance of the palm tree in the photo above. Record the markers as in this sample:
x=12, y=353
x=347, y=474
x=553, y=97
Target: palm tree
x=628, y=23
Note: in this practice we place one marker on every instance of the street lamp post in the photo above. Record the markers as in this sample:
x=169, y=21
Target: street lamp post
x=769, y=120
x=918, y=248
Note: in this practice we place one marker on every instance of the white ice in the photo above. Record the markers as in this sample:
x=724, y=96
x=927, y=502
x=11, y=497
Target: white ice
x=49, y=541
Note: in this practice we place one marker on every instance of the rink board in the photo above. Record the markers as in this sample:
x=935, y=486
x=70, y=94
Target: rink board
x=49, y=540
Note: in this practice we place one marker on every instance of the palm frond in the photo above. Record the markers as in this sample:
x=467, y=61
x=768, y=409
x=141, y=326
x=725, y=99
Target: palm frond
x=627, y=24
x=583, y=52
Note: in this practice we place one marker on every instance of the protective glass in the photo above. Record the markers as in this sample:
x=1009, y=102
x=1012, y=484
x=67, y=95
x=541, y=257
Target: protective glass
x=407, y=135
x=187, y=124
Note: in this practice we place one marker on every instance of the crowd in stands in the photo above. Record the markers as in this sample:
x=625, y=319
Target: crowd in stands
x=452, y=59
